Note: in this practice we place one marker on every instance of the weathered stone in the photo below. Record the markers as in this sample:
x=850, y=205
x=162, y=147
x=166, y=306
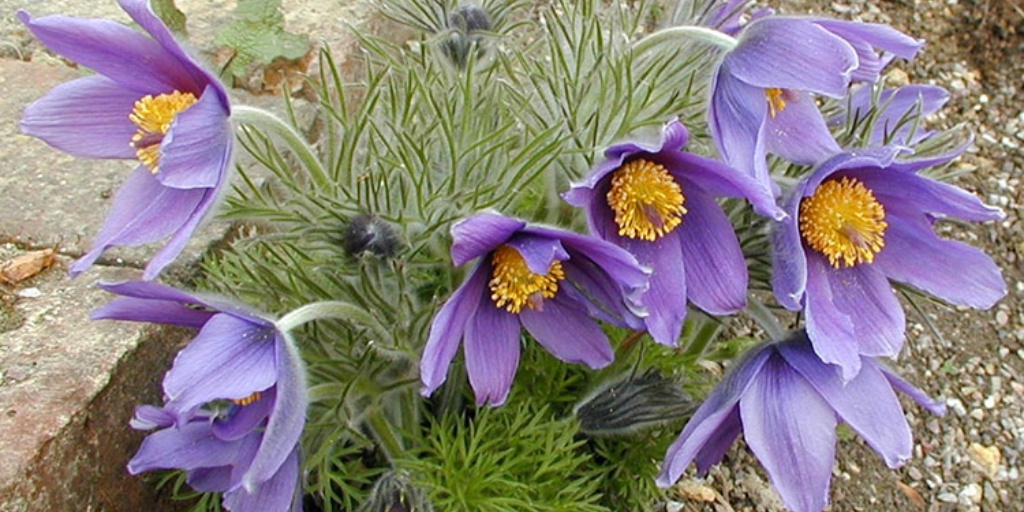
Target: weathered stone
x=69, y=388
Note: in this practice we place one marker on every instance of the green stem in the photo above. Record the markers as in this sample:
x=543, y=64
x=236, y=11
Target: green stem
x=700, y=34
x=386, y=437
x=761, y=315
x=330, y=309
x=243, y=114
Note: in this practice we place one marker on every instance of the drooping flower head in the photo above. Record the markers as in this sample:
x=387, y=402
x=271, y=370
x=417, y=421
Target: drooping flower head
x=859, y=220
x=788, y=403
x=554, y=283
x=240, y=373
x=148, y=101
x=762, y=93
x=658, y=202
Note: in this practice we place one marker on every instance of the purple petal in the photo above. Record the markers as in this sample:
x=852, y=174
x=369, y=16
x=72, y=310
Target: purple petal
x=448, y=327
x=195, y=151
x=492, y=352
x=189, y=446
x=568, y=334
x=196, y=78
x=127, y=57
x=277, y=494
x=956, y=272
x=148, y=417
x=143, y=211
x=719, y=180
x=798, y=132
x=620, y=265
x=243, y=420
x=866, y=297
x=229, y=359
x=922, y=399
x=480, y=234
x=591, y=287
x=539, y=252
x=895, y=105
x=150, y=291
x=789, y=263
x=716, y=273
x=170, y=251
x=791, y=430
x=712, y=421
x=831, y=331
x=288, y=418
x=155, y=311
x=216, y=479
x=665, y=299
x=736, y=119
x=865, y=37
x=793, y=53
x=903, y=191
x=716, y=447
x=87, y=117
x=867, y=403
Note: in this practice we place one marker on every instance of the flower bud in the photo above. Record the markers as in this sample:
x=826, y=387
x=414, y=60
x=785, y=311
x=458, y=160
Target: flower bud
x=393, y=492
x=633, y=404
x=369, y=233
x=466, y=25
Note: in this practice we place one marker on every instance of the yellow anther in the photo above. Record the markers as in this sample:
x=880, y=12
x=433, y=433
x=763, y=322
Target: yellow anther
x=154, y=115
x=776, y=100
x=647, y=201
x=249, y=400
x=843, y=221
x=513, y=285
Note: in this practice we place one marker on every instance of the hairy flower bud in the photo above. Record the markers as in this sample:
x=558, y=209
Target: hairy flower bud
x=369, y=233
x=393, y=492
x=466, y=25
x=632, y=404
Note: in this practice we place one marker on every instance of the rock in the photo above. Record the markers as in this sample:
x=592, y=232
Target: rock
x=986, y=457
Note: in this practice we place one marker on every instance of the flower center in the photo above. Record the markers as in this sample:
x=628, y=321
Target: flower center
x=776, y=100
x=647, y=202
x=249, y=400
x=154, y=115
x=843, y=221
x=513, y=285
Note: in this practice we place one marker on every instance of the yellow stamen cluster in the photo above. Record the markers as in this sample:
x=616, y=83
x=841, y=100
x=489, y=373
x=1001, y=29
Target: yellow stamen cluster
x=154, y=115
x=249, y=400
x=843, y=221
x=513, y=285
x=647, y=201
x=776, y=100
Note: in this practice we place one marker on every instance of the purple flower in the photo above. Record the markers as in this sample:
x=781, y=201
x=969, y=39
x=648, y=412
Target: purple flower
x=238, y=360
x=658, y=202
x=859, y=220
x=896, y=109
x=552, y=282
x=787, y=403
x=148, y=101
x=761, y=97
x=216, y=448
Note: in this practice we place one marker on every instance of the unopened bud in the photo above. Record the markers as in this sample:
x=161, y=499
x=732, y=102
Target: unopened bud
x=466, y=25
x=393, y=492
x=369, y=233
x=633, y=404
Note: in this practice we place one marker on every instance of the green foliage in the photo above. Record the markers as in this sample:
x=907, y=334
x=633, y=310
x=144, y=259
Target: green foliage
x=257, y=37
x=171, y=15
x=514, y=458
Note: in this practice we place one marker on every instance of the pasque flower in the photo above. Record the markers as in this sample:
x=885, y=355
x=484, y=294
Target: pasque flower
x=893, y=122
x=788, y=403
x=150, y=101
x=552, y=282
x=762, y=93
x=239, y=385
x=658, y=202
x=859, y=220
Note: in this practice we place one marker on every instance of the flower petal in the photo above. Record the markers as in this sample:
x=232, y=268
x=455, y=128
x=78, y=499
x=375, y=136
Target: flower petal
x=195, y=151
x=173, y=247
x=143, y=211
x=87, y=117
x=287, y=419
x=866, y=297
x=480, y=234
x=867, y=402
x=711, y=422
x=591, y=287
x=789, y=263
x=156, y=311
x=277, y=494
x=229, y=359
x=956, y=272
x=791, y=430
x=922, y=399
x=448, y=327
x=189, y=446
x=736, y=119
x=793, y=53
x=127, y=57
x=716, y=447
x=719, y=180
x=665, y=299
x=492, y=352
x=907, y=191
x=830, y=330
x=539, y=252
x=243, y=420
x=568, y=334
x=716, y=273
x=798, y=131
x=865, y=37
x=620, y=265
